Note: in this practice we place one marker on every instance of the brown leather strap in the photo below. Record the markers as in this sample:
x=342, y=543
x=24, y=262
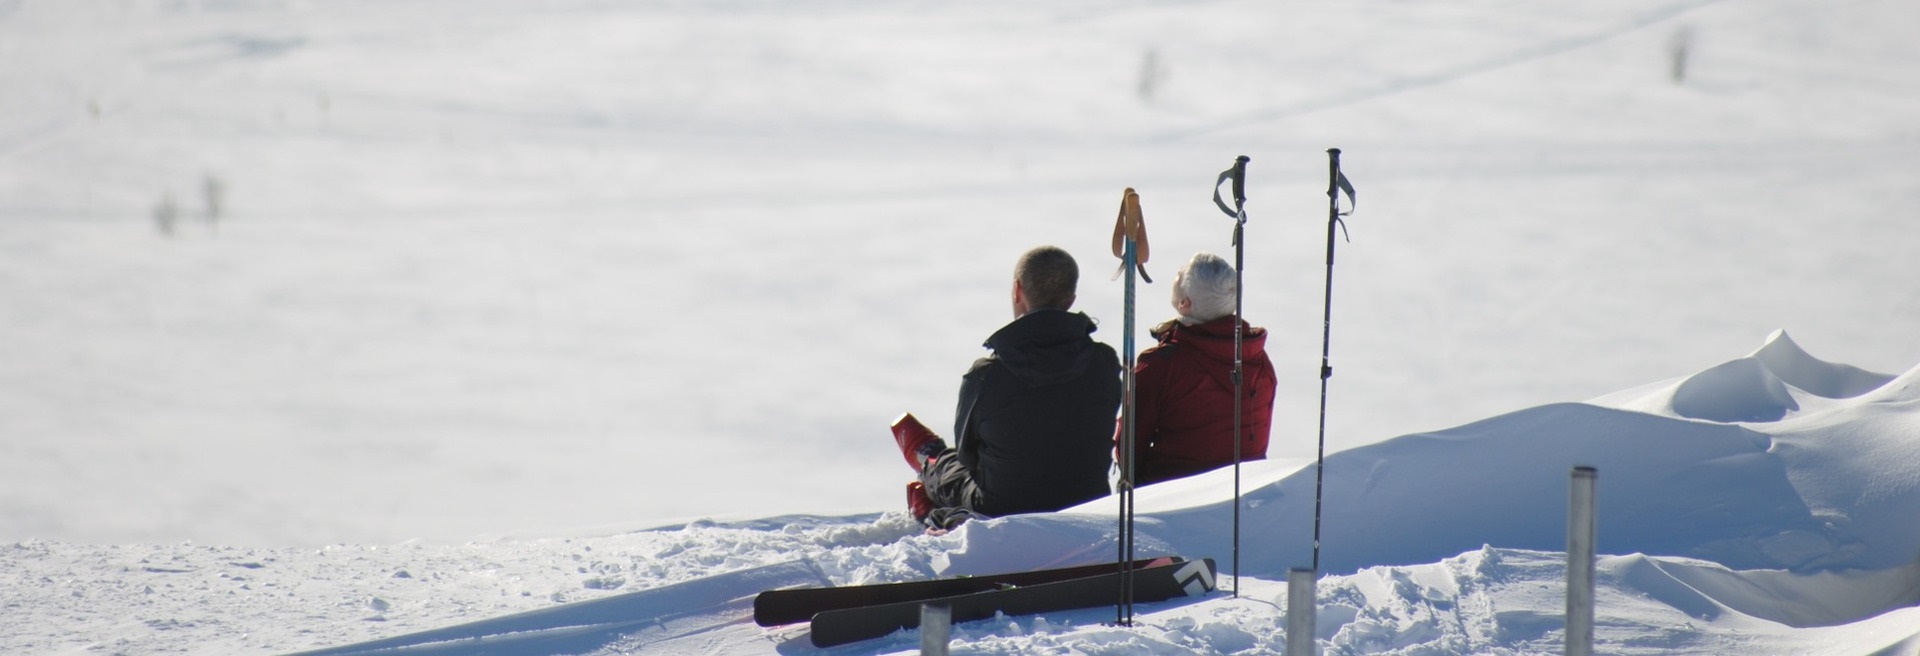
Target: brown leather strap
x=1131, y=223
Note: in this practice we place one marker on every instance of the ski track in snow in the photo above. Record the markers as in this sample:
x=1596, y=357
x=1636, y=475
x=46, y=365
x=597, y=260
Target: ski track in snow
x=1646, y=19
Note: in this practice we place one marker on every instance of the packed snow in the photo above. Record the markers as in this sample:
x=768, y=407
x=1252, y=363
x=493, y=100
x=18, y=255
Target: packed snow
x=566, y=327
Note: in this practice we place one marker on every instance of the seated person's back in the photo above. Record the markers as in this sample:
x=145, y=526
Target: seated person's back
x=1184, y=416
x=1034, y=417
x=1035, y=435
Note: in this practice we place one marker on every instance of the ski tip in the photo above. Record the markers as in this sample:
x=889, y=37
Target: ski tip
x=1197, y=577
x=762, y=612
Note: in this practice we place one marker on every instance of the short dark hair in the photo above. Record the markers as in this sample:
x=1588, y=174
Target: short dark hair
x=1048, y=276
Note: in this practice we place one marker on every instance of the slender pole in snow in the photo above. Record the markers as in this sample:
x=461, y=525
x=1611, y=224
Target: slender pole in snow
x=1336, y=183
x=1128, y=447
x=1237, y=174
x=1580, y=551
x=1129, y=244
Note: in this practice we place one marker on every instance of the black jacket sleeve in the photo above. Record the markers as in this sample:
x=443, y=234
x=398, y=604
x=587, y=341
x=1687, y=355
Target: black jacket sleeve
x=964, y=426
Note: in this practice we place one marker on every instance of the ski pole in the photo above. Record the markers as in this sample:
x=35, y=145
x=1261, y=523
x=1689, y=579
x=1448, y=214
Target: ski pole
x=1336, y=183
x=1238, y=174
x=1130, y=245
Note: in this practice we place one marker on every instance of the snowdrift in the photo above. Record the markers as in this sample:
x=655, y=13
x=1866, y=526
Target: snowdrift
x=1775, y=486
x=1819, y=485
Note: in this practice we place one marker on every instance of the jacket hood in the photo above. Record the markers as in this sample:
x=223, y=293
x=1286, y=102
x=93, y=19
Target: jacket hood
x=1045, y=346
x=1214, y=339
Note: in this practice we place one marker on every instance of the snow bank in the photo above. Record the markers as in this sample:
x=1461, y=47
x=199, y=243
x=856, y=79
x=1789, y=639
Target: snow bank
x=1767, y=385
x=1804, y=519
x=1785, y=495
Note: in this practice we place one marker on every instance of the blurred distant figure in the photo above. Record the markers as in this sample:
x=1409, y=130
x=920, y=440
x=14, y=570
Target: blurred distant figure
x=1679, y=50
x=166, y=214
x=1033, y=424
x=215, y=193
x=1184, y=385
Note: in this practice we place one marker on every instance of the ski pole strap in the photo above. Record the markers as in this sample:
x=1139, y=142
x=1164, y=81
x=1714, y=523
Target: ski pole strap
x=1238, y=174
x=1340, y=181
x=1337, y=182
x=1131, y=225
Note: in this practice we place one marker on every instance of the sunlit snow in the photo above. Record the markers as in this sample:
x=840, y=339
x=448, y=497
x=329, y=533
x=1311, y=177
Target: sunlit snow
x=333, y=322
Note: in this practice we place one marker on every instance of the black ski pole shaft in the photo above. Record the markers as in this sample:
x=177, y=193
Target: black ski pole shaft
x=1124, y=609
x=1131, y=448
x=1336, y=182
x=1239, y=314
x=1238, y=175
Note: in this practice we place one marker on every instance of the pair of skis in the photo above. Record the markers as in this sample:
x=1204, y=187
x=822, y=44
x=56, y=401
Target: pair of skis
x=841, y=615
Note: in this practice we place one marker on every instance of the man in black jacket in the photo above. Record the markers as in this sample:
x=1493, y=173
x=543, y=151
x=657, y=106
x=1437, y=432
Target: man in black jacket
x=1035, y=419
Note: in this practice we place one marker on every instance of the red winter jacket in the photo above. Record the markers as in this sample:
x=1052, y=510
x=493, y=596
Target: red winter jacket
x=1184, y=416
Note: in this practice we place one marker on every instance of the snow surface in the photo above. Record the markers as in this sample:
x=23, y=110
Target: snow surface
x=1788, y=536
x=325, y=322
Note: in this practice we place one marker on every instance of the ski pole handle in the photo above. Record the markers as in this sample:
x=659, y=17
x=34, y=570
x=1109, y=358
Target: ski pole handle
x=1240, y=180
x=1333, y=219
x=1238, y=174
x=1336, y=183
x=1333, y=171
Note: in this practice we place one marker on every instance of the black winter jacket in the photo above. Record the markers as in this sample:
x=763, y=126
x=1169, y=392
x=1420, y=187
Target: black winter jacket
x=1035, y=422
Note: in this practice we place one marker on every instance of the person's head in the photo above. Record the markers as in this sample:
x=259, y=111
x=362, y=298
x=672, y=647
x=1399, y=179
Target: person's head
x=1044, y=279
x=1203, y=290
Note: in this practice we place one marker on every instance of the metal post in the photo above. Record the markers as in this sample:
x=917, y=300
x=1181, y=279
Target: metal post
x=1580, y=554
x=936, y=629
x=1300, y=612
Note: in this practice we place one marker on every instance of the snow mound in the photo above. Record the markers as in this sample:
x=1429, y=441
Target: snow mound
x=1773, y=382
x=1810, y=491
x=1743, y=390
x=1669, y=486
x=1904, y=388
x=1799, y=600
x=1794, y=366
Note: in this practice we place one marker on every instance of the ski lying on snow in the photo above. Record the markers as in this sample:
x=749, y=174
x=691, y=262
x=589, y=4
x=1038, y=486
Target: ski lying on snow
x=1162, y=579
x=776, y=607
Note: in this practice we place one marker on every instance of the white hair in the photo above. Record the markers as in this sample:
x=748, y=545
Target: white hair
x=1209, y=282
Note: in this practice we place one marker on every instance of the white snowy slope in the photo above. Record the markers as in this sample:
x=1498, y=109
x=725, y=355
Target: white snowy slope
x=305, y=305
x=1784, y=536
x=442, y=269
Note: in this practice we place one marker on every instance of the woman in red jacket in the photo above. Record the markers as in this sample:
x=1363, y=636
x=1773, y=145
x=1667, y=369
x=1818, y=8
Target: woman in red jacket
x=1184, y=415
